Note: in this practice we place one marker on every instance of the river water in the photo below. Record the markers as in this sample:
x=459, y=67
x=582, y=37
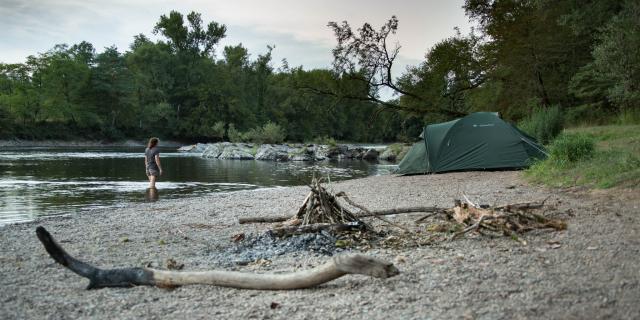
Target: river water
x=57, y=181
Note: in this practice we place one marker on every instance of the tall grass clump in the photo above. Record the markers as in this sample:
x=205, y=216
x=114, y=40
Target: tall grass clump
x=569, y=148
x=544, y=124
x=629, y=117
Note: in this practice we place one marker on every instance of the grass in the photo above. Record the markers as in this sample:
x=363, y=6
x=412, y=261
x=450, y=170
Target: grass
x=615, y=161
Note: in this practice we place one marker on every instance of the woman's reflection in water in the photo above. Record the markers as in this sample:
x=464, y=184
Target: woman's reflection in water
x=151, y=195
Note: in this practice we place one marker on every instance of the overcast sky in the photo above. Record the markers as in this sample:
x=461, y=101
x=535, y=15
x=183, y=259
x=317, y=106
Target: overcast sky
x=298, y=28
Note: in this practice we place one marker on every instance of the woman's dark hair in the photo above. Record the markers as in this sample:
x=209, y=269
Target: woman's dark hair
x=152, y=142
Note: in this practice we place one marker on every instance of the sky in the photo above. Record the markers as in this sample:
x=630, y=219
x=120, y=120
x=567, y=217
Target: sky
x=297, y=28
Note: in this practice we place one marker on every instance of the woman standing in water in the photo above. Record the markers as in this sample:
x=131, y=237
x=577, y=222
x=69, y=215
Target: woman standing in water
x=152, y=162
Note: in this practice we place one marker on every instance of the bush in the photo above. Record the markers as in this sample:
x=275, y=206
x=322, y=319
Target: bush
x=269, y=133
x=570, y=148
x=253, y=135
x=217, y=130
x=273, y=133
x=234, y=134
x=544, y=124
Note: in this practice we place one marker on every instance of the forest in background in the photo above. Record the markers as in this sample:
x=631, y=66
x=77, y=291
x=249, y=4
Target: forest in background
x=579, y=57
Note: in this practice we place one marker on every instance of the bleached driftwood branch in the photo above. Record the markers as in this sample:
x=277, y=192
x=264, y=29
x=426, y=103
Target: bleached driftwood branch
x=337, y=267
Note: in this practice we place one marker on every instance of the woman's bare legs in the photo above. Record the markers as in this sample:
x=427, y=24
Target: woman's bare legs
x=152, y=181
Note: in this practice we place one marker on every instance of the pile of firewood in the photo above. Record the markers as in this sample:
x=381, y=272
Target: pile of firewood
x=509, y=220
x=320, y=206
x=321, y=210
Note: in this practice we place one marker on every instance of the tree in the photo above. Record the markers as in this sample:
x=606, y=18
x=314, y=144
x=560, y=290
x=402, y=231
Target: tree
x=531, y=53
x=193, y=69
x=192, y=38
x=112, y=89
x=614, y=73
x=365, y=56
x=451, y=70
x=65, y=80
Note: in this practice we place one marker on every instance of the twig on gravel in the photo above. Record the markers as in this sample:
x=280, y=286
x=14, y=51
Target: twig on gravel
x=349, y=201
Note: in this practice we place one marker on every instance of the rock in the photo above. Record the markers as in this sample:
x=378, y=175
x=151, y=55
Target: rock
x=389, y=154
x=322, y=152
x=354, y=153
x=273, y=152
x=337, y=152
x=214, y=150
x=195, y=148
x=188, y=148
x=240, y=151
x=289, y=152
x=371, y=154
x=200, y=147
x=305, y=153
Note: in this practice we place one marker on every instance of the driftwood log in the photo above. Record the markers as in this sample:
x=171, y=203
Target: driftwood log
x=337, y=267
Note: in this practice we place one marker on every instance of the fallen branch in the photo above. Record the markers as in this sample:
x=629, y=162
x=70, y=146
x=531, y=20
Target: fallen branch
x=312, y=228
x=263, y=219
x=337, y=267
x=386, y=212
x=366, y=211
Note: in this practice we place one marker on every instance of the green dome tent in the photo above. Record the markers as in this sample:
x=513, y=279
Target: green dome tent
x=478, y=141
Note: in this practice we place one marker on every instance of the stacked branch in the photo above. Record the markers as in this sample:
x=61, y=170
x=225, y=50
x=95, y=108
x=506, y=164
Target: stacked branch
x=321, y=210
x=322, y=207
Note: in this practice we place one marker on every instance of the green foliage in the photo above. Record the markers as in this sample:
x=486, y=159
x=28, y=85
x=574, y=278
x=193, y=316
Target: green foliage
x=234, y=135
x=615, y=160
x=544, y=124
x=630, y=116
x=272, y=133
x=326, y=140
x=269, y=133
x=217, y=130
x=570, y=148
x=579, y=55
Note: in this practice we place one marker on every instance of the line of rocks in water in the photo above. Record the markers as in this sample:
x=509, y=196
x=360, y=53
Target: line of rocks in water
x=291, y=152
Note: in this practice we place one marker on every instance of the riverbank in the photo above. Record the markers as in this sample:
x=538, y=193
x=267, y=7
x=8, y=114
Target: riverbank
x=587, y=271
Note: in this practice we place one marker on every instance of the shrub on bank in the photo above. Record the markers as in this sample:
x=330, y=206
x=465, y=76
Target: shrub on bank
x=602, y=157
x=269, y=133
x=233, y=134
x=544, y=124
x=272, y=133
x=570, y=148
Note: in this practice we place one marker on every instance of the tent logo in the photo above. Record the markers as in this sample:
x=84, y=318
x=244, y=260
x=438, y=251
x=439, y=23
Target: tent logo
x=483, y=125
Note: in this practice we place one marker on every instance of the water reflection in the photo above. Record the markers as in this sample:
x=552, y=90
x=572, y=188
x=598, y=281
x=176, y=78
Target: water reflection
x=151, y=195
x=39, y=182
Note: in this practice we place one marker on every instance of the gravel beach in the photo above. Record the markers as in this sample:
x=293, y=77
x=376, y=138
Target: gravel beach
x=589, y=271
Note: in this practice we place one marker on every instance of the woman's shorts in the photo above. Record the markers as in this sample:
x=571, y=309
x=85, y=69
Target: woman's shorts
x=153, y=172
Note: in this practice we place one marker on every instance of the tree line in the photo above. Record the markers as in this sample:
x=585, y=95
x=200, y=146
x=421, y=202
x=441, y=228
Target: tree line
x=179, y=88
x=582, y=57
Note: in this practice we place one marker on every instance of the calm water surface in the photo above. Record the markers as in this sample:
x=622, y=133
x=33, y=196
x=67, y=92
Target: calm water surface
x=56, y=181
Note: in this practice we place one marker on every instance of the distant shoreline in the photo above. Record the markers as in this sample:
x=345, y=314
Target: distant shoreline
x=82, y=143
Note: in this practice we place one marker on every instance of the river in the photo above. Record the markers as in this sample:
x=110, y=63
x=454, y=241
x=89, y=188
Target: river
x=36, y=182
